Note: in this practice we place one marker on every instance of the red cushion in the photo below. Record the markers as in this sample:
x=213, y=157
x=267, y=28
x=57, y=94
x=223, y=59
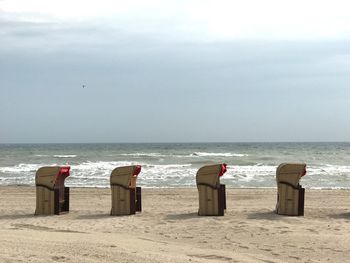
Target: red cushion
x=304, y=173
x=137, y=170
x=64, y=170
x=223, y=169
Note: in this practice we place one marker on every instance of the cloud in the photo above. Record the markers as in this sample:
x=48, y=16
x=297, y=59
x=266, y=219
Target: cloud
x=242, y=64
x=199, y=21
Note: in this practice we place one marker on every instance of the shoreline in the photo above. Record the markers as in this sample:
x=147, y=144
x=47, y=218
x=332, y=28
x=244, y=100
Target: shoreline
x=169, y=229
x=191, y=187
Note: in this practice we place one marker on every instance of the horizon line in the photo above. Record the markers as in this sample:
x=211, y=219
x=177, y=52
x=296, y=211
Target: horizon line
x=194, y=142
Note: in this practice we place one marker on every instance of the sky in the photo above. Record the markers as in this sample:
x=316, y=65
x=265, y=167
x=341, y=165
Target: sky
x=174, y=71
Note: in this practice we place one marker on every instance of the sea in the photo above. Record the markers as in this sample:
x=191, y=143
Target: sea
x=250, y=165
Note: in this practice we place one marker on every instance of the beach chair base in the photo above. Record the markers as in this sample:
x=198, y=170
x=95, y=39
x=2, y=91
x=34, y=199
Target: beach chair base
x=48, y=201
x=61, y=206
x=301, y=201
x=290, y=200
x=138, y=200
x=212, y=200
x=123, y=200
x=222, y=200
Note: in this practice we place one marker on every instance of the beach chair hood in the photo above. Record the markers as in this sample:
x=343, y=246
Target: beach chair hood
x=123, y=175
x=210, y=174
x=49, y=176
x=290, y=173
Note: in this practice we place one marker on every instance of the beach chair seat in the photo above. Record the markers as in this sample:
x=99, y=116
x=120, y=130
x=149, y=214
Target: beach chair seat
x=52, y=197
x=126, y=196
x=290, y=194
x=212, y=194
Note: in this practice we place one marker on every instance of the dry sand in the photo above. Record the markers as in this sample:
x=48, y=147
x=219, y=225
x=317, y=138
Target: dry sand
x=169, y=230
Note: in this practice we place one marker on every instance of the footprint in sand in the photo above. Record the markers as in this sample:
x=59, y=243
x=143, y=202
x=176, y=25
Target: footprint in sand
x=59, y=258
x=285, y=232
x=266, y=249
x=243, y=247
x=267, y=261
x=263, y=229
x=293, y=257
x=290, y=245
x=43, y=228
x=213, y=257
x=312, y=230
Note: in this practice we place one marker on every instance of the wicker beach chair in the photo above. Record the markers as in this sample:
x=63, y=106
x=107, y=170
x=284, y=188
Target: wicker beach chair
x=290, y=195
x=52, y=197
x=212, y=195
x=126, y=197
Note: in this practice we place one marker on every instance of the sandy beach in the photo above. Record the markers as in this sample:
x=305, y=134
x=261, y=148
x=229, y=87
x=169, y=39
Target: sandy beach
x=169, y=230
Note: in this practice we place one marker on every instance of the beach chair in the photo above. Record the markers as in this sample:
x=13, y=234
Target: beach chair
x=212, y=194
x=52, y=197
x=290, y=194
x=126, y=197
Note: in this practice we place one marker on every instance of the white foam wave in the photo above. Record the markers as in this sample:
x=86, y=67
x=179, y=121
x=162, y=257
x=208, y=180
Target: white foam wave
x=328, y=169
x=250, y=173
x=97, y=173
x=91, y=173
x=96, y=168
x=168, y=165
x=329, y=188
x=209, y=154
x=20, y=168
x=65, y=156
x=143, y=154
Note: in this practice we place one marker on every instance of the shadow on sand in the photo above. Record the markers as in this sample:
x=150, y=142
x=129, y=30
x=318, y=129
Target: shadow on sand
x=94, y=216
x=21, y=216
x=269, y=215
x=181, y=216
x=340, y=216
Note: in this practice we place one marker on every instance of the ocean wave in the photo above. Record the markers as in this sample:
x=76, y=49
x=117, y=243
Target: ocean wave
x=143, y=154
x=65, y=156
x=195, y=154
x=152, y=175
x=167, y=165
x=211, y=154
x=328, y=169
x=250, y=173
x=96, y=168
x=96, y=173
x=20, y=168
x=329, y=188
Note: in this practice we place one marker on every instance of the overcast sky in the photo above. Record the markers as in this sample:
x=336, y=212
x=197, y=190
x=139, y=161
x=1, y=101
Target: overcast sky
x=174, y=71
